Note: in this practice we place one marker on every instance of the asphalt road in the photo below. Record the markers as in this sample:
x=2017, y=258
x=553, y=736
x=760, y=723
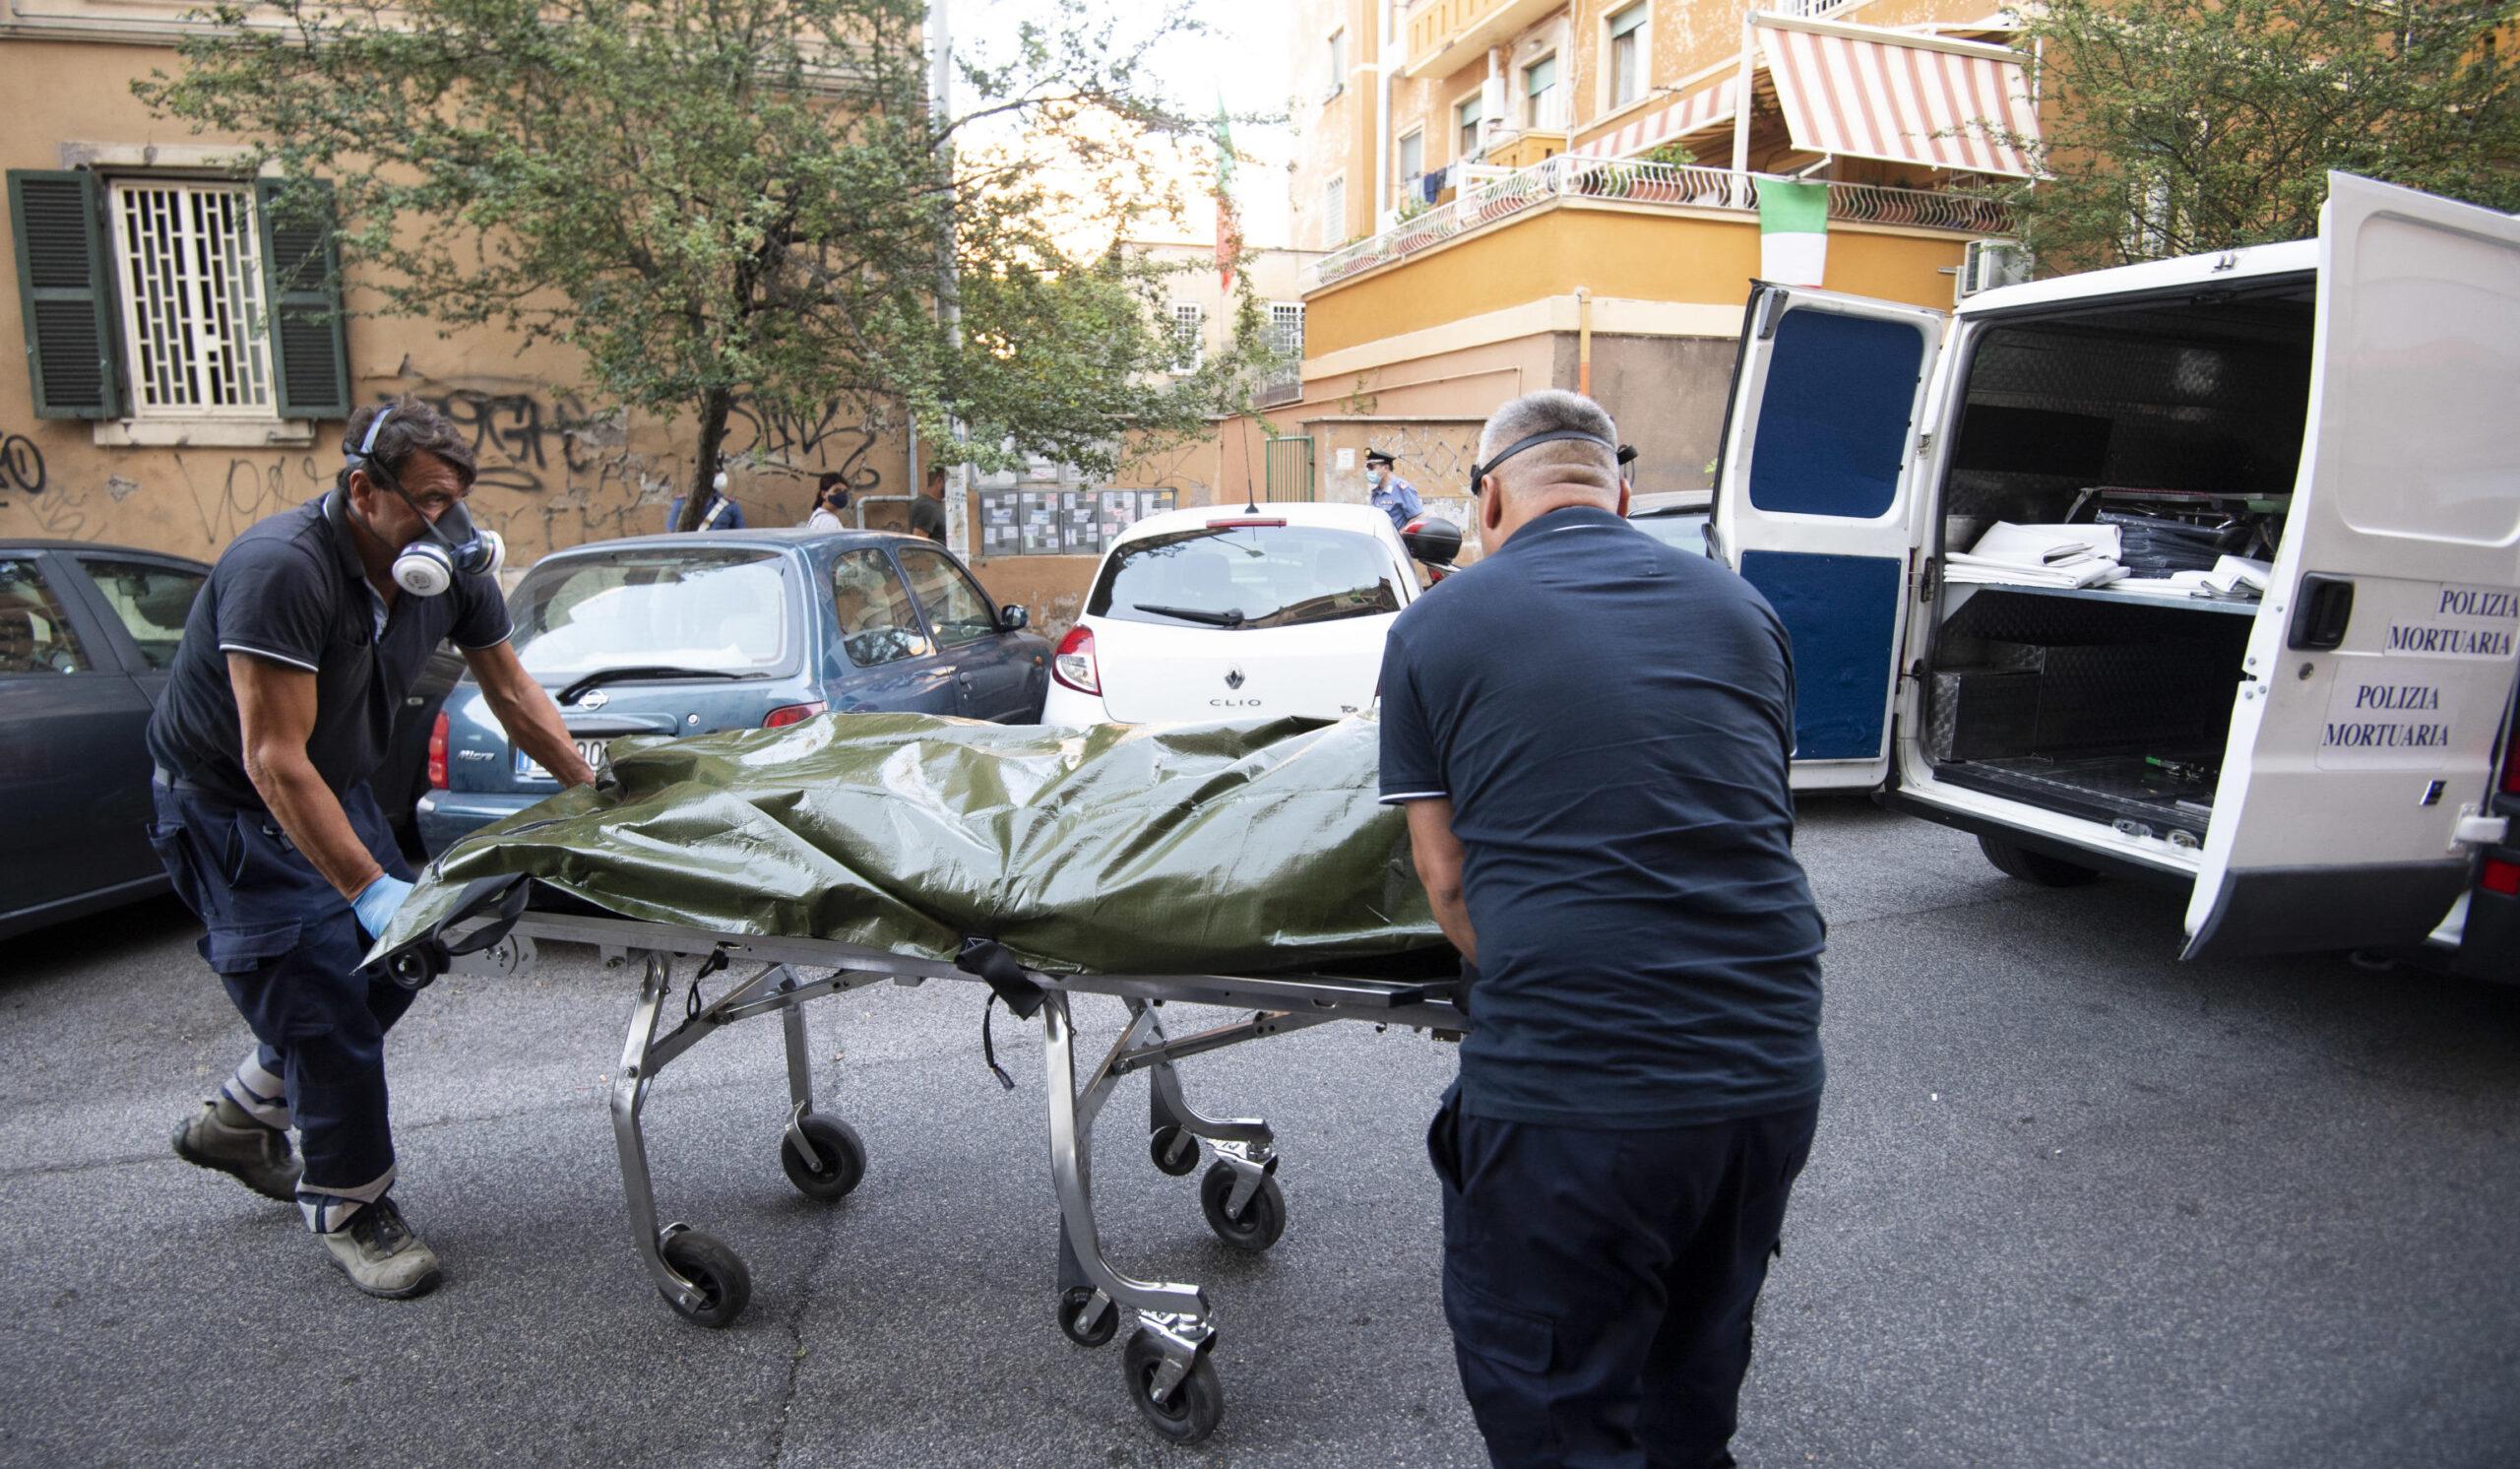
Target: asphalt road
x=2072, y=1203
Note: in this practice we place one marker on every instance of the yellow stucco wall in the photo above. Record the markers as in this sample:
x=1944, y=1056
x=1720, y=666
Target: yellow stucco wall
x=1621, y=253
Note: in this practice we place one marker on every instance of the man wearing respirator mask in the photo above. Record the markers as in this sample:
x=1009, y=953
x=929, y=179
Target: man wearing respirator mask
x=280, y=705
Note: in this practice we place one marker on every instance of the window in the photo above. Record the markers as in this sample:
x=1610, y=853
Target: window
x=1542, y=101
x=1189, y=337
x=185, y=305
x=1413, y=163
x=957, y=608
x=877, y=624
x=1338, y=64
x=1247, y=577
x=34, y=633
x=723, y=611
x=1286, y=329
x=191, y=283
x=152, y=601
x=1627, y=69
x=1467, y=118
x=1334, y=212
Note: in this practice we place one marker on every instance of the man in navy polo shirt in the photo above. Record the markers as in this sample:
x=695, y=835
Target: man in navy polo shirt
x=1590, y=731
x=278, y=707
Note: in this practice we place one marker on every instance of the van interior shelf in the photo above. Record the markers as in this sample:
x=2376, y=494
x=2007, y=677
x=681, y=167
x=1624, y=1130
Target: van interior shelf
x=1956, y=595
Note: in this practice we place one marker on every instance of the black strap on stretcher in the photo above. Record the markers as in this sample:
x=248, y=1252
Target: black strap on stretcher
x=1004, y=974
x=492, y=904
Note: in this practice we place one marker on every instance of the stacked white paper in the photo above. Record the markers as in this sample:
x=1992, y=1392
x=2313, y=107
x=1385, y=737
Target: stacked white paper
x=2063, y=558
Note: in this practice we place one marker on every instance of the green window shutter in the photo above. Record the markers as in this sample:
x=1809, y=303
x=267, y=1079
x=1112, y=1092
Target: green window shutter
x=304, y=270
x=1627, y=20
x=65, y=291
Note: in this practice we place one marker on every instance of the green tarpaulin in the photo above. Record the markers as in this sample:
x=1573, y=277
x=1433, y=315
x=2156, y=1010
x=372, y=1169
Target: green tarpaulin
x=1117, y=849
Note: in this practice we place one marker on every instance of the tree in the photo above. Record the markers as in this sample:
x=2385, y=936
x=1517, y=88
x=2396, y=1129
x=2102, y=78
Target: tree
x=2184, y=126
x=715, y=198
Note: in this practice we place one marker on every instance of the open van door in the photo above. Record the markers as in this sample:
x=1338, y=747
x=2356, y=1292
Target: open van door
x=1815, y=504
x=2383, y=659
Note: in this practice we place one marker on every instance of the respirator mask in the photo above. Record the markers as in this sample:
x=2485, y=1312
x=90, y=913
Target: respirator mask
x=450, y=544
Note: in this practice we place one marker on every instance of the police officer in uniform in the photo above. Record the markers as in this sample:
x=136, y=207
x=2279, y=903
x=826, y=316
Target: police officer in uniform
x=278, y=706
x=1391, y=494
x=1600, y=813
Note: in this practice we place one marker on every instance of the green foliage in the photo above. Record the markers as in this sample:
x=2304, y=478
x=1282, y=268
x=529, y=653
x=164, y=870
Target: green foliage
x=1674, y=154
x=2184, y=126
x=713, y=198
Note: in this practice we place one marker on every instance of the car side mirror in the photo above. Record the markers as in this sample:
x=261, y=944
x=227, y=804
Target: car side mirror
x=1013, y=617
x=1432, y=540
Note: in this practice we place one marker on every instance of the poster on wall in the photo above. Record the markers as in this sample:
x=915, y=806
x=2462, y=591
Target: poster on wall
x=1062, y=521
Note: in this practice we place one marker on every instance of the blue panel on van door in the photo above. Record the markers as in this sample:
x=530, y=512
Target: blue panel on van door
x=1833, y=420
x=1842, y=613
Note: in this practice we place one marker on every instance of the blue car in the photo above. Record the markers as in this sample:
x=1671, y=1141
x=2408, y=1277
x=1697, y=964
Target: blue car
x=727, y=630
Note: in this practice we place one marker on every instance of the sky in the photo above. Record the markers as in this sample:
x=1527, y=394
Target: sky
x=1243, y=64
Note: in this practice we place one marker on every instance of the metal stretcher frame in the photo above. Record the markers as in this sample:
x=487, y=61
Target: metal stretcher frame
x=1168, y=1364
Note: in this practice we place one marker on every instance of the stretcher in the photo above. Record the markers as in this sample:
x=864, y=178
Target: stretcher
x=1167, y=1360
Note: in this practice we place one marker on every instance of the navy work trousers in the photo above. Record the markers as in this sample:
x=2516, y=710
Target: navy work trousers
x=286, y=946
x=1598, y=1283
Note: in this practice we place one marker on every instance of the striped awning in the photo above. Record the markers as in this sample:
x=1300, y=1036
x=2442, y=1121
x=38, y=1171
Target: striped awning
x=1862, y=91
x=1707, y=108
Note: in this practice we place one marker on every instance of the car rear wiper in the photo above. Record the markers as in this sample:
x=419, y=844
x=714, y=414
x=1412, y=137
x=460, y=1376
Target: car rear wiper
x=637, y=671
x=1229, y=617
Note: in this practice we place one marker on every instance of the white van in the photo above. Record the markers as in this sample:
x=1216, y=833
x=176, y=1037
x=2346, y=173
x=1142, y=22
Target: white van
x=2327, y=765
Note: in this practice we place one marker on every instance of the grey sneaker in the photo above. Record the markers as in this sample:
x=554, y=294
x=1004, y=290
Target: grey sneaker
x=381, y=1255
x=259, y=1157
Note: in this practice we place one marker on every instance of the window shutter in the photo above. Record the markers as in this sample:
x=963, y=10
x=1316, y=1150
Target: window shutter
x=304, y=269
x=65, y=289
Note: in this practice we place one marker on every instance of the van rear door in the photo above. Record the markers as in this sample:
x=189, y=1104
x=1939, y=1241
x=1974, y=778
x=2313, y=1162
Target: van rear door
x=1815, y=505
x=2383, y=659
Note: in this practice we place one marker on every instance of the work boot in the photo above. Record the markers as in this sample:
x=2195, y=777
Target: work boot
x=257, y=1156
x=381, y=1255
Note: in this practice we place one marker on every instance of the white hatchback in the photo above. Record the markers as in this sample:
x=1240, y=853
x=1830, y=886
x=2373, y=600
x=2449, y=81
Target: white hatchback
x=1221, y=613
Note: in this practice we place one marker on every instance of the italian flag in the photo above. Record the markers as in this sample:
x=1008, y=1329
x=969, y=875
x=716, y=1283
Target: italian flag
x=1793, y=232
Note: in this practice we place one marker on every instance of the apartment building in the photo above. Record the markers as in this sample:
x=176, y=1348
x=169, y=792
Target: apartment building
x=1514, y=194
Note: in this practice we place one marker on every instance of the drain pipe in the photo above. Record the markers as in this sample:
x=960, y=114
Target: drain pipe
x=1584, y=339
x=1382, y=116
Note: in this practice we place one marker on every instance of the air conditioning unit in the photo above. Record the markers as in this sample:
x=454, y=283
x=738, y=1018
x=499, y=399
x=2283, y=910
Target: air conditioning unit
x=1985, y=264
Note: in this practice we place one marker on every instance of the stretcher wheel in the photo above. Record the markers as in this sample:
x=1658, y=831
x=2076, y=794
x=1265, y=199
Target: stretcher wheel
x=724, y=1285
x=844, y=1159
x=1106, y=1325
x=1198, y=1403
x=1262, y=1220
x=2034, y=866
x=1174, y=1151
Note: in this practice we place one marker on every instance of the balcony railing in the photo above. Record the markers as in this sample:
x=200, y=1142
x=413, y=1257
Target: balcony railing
x=1634, y=182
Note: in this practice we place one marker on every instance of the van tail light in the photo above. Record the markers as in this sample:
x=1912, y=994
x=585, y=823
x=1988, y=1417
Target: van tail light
x=437, y=752
x=1073, y=665
x=2511, y=760
x=2500, y=876
x=792, y=713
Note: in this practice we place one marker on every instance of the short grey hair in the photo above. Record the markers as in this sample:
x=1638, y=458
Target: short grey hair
x=1550, y=411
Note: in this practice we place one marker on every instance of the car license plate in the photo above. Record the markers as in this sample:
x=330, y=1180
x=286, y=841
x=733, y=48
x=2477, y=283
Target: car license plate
x=530, y=769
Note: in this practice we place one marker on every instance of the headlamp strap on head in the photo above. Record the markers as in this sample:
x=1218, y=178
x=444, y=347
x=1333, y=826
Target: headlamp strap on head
x=1478, y=473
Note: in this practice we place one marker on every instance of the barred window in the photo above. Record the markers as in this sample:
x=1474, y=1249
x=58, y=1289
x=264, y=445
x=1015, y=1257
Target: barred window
x=1189, y=341
x=194, y=318
x=1286, y=329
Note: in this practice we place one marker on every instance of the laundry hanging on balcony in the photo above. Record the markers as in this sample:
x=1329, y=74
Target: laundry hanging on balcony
x=1862, y=91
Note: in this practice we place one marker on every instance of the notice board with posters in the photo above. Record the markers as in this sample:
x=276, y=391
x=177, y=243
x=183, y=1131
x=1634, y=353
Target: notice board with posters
x=1062, y=521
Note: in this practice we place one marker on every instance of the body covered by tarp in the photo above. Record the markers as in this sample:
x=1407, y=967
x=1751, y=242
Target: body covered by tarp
x=1231, y=847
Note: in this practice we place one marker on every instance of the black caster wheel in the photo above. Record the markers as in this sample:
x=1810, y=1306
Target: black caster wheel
x=1072, y=1305
x=725, y=1286
x=1197, y=1405
x=844, y=1159
x=1174, y=1151
x=1262, y=1220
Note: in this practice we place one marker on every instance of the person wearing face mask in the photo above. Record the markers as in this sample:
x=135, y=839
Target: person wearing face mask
x=278, y=707
x=1392, y=496
x=831, y=497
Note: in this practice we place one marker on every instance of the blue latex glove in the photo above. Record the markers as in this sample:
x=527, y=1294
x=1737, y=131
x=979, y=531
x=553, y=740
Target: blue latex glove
x=378, y=902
